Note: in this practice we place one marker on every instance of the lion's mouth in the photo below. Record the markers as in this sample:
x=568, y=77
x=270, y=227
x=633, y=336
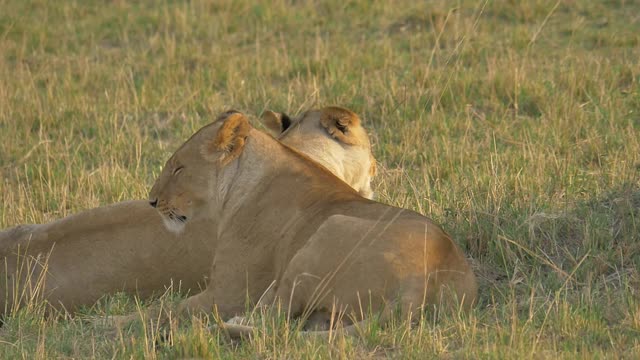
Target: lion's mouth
x=178, y=218
x=174, y=222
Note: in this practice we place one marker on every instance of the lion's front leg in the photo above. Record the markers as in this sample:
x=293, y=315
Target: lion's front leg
x=197, y=304
x=228, y=301
x=237, y=283
x=214, y=299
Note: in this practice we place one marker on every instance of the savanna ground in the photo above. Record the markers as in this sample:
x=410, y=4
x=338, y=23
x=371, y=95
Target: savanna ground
x=514, y=124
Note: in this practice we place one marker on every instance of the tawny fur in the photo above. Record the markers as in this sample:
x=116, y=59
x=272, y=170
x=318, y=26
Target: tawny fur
x=230, y=139
x=126, y=247
x=349, y=157
x=285, y=220
x=336, y=120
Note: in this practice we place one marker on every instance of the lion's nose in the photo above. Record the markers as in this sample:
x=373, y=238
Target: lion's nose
x=153, y=203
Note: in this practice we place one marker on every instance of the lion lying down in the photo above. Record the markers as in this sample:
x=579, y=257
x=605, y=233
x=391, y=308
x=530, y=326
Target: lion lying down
x=125, y=247
x=292, y=233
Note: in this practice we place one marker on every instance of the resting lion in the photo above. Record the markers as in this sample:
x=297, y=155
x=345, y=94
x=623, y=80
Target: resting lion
x=125, y=247
x=290, y=232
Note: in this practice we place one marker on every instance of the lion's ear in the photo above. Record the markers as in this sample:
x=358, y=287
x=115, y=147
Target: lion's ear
x=229, y=140
x=339, y=122
x=276, y=122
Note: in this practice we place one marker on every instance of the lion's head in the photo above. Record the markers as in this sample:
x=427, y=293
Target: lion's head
x=332, y=136
x=182, y=186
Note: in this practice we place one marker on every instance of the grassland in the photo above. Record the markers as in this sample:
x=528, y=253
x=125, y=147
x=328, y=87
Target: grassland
x=514, y=124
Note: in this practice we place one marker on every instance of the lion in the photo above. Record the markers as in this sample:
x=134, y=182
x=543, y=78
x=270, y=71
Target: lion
x=292, y=233
x=350, y=166
x=124, y=247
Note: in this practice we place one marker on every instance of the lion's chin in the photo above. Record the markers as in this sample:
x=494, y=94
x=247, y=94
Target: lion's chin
x=173, y=225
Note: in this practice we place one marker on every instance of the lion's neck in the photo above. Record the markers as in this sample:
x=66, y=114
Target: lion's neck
x=241, y=178
x=269, y=175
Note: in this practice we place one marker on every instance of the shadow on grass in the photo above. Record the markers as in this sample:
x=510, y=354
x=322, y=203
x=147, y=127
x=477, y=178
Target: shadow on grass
x=596, y=240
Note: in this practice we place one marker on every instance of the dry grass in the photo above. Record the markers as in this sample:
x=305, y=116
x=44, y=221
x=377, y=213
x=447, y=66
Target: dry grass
x=514, y=124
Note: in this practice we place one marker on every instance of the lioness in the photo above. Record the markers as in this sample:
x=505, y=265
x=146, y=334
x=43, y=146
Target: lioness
x=348, y=158
x=125, y=247
x=291, y=232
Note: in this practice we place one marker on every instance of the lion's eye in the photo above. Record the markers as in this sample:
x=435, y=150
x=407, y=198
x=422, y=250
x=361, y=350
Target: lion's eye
x=178, y=170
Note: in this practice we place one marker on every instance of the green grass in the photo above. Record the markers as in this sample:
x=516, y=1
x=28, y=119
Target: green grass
x=514, y=124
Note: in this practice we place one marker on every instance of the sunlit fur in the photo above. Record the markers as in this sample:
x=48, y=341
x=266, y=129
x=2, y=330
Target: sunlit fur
x=349, y=157
x=291, y=232
x=125, y=246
